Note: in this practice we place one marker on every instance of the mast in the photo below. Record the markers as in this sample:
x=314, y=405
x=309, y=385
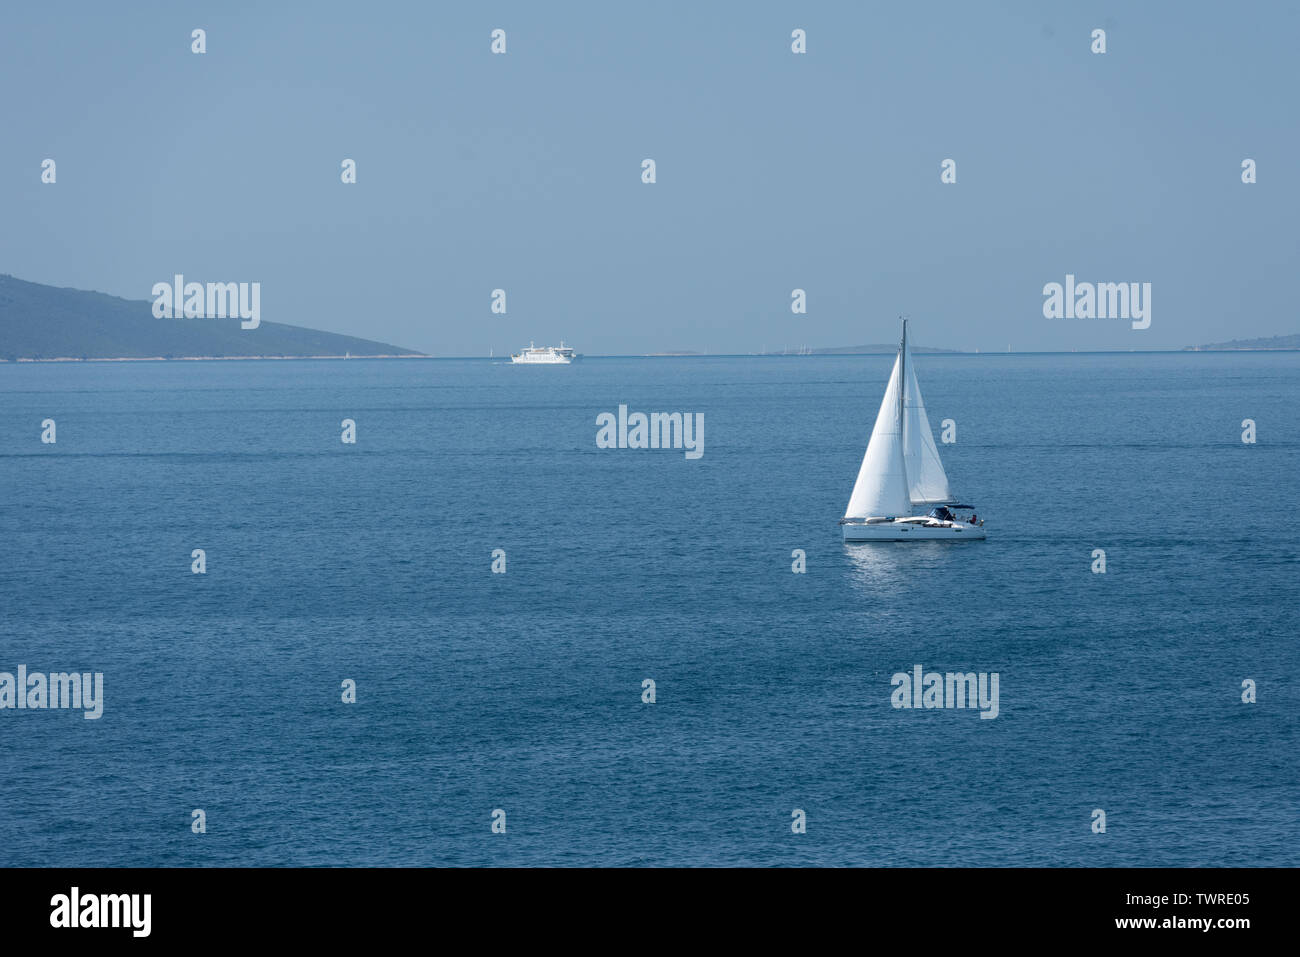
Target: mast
x=902, y=376
x=902, y=398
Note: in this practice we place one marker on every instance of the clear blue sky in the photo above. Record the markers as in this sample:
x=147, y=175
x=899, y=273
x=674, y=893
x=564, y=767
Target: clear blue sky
x=775, y=171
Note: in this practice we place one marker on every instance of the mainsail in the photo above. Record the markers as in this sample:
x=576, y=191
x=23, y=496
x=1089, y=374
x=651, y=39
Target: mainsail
x=901, y=467
x=881, y=489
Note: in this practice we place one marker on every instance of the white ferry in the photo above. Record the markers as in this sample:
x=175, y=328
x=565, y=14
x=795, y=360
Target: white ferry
x=547, y=355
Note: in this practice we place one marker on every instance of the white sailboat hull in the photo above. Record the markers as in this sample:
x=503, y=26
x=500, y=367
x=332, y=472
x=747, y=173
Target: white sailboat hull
x=911, y=531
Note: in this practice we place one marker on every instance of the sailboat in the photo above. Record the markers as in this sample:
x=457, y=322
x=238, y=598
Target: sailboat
x=901, y=470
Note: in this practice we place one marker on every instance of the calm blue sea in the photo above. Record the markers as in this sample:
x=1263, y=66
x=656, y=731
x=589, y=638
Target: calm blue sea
x=522, y=691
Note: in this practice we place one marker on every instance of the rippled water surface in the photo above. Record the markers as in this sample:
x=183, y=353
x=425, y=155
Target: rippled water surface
x=522, y=691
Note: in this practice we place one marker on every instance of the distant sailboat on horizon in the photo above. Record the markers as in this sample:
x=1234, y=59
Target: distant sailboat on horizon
x=901, y=469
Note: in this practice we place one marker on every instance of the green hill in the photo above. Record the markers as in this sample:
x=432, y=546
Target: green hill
x=47, y=322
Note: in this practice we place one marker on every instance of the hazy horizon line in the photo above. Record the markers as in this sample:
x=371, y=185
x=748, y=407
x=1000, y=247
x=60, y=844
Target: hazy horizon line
x=640, y=355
